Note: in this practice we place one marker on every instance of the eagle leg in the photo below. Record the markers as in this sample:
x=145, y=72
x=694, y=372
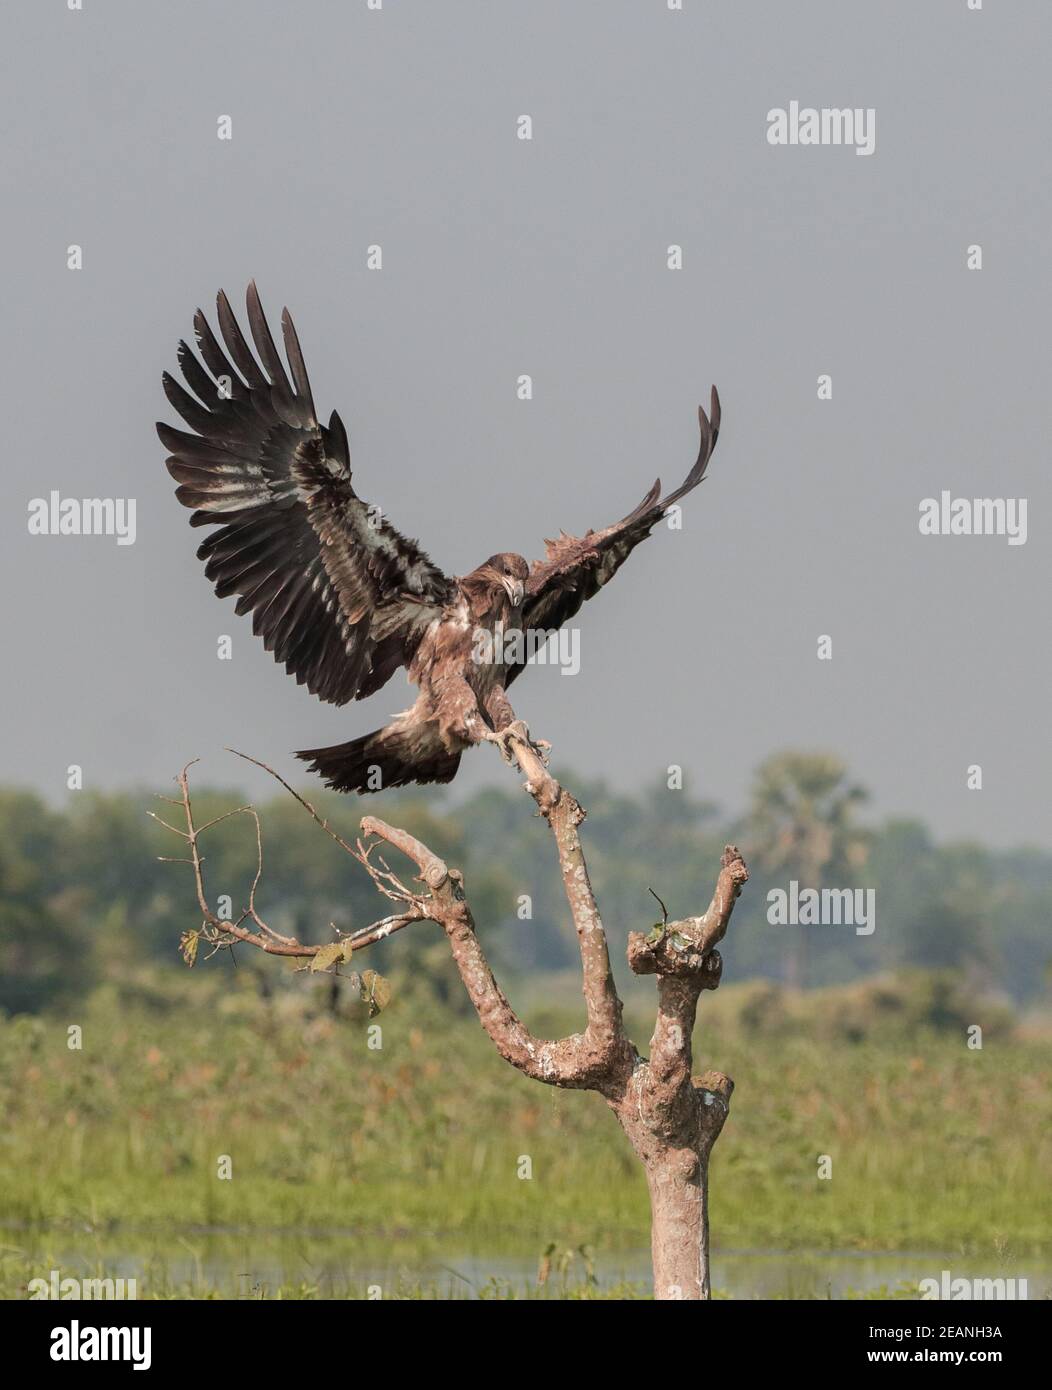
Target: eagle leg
x=506, y=728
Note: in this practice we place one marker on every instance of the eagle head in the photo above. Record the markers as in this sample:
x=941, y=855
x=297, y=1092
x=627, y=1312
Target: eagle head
x=504, y=571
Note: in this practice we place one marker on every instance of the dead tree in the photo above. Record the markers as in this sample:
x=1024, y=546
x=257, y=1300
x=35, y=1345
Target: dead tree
x=671, y=1118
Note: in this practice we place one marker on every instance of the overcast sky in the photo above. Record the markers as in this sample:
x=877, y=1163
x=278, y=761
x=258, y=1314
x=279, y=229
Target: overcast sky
x=501, y=257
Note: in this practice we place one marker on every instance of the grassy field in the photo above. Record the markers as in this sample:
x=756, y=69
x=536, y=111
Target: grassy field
x=393, y=1157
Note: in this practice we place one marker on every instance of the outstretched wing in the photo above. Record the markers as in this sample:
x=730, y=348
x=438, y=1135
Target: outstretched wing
x=336, y=593
x=575, y=568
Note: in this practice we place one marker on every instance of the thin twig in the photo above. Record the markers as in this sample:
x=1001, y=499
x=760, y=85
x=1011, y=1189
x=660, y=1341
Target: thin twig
x=172, y=828
x=302, y=800
x=664, y=909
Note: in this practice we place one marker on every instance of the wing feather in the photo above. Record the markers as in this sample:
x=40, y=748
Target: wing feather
x=237, y=347
x=575, y=568
x=329, y=587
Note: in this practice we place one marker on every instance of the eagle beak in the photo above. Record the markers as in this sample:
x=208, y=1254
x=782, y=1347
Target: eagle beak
x=514, y=589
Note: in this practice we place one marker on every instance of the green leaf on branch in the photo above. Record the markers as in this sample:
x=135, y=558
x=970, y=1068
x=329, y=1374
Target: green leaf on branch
x=326, y=957
x=376, y=991
x=656, y=934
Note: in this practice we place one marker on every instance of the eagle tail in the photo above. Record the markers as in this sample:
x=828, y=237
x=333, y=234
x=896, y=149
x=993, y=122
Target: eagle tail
x=390, y=757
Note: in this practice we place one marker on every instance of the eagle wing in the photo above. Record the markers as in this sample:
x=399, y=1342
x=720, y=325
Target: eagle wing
x=337, y=594
x=575, y=568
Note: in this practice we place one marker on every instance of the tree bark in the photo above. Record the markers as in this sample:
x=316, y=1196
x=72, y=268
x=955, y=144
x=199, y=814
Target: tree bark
x=679, y=1236
x=675, y=1158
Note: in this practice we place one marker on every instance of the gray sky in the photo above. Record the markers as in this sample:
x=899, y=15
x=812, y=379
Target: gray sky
x=502, y=257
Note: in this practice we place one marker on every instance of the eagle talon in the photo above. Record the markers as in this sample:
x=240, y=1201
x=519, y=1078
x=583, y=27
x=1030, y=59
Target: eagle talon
x=516, y=732
x=540, y=746
x=502, y=739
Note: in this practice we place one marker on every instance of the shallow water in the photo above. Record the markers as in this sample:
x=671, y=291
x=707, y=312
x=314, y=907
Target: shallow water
x=255, y=1265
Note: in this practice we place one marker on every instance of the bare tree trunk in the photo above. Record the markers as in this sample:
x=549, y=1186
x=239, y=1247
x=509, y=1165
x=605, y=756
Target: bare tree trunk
x=679, y=1240
x=671, y=1119
x=677, y=1173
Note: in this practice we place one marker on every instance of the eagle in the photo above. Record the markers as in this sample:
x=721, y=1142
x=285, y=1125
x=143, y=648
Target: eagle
x=340, y=597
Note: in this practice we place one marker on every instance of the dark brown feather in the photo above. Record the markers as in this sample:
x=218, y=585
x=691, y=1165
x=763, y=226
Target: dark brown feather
x=575, y=568
x=295, y=544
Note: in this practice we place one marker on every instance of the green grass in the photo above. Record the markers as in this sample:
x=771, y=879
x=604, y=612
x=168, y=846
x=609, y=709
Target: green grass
x=413, y=1150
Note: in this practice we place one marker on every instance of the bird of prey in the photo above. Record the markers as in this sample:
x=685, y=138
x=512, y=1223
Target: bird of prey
x=339, y=596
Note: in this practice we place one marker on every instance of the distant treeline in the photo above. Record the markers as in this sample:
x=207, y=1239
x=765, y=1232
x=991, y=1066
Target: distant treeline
x=82, y=889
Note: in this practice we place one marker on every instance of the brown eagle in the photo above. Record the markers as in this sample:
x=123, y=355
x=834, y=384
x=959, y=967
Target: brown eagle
x=337, y=594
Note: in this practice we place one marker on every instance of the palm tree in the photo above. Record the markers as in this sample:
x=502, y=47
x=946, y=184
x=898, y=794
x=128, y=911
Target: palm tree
x=802, y=821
